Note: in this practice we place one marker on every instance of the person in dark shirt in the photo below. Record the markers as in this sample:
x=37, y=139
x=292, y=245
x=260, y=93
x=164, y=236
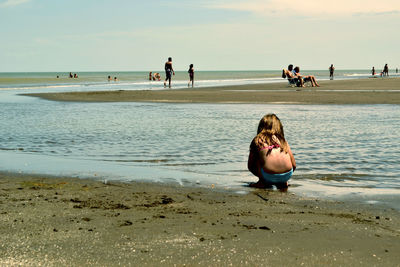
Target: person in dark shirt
x=331, y=71
x=191, y=75
x=386, y=70
x=169, y=71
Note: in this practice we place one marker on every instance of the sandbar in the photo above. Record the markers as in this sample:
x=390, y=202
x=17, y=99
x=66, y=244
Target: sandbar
x=352, y=91
x=49, y=221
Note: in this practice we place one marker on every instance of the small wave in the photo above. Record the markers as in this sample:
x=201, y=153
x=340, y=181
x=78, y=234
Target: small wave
x=8, y=149
x=339, y=177
x=192, y=164
x=143, y=85
x=356, y=74
x=138, y=160
x=238, y=81
x=16, y=87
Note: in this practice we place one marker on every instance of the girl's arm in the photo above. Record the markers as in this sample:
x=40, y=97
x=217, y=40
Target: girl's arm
x=253, y=161
x=288, y=74
x=291, y=157
x=252, y=164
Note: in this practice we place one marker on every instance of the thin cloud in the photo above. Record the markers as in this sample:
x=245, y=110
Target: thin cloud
x=11, y=3
x=312, y=8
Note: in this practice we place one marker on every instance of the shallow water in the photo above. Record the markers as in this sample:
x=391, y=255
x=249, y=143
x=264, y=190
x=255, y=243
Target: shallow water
x=345, y=151
x=341, y=150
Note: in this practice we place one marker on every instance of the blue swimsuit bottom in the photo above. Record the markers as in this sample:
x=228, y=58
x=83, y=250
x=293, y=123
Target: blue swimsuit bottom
x=276, y=178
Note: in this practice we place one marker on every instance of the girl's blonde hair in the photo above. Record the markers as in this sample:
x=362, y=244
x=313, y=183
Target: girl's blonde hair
x=270, y=132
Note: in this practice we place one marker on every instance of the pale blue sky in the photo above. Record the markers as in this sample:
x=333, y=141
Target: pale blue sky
x=122, y=35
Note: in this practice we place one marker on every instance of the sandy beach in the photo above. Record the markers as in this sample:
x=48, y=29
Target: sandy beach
x=74, y=222
x=356, y=91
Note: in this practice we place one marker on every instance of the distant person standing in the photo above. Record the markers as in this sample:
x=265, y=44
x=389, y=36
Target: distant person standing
x=169, y=71
x=191, y=75
x=373, y=71
x=386, y=70
x=331, y=71
x=397, y=70
x=150, y=76
x=70, y=75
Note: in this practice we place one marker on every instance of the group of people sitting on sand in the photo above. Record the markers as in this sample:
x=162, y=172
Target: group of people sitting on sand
x=73, y=76
x=110, y=79
x=294, y=77
x=154, y=77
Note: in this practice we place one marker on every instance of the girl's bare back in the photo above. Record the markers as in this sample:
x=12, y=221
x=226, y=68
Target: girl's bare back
x=276, y=162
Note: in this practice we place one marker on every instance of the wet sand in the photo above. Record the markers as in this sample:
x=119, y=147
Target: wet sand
x=360, y=91
x=76, y=222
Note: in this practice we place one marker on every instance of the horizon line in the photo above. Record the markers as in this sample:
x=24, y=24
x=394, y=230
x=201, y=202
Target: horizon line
x=146, y=71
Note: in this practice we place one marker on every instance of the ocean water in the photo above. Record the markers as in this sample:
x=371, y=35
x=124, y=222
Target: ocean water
x=89, y=81
x=342, y=151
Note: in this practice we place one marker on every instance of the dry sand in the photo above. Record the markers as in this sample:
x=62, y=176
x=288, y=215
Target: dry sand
x=73, y=222
x=361, y=91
